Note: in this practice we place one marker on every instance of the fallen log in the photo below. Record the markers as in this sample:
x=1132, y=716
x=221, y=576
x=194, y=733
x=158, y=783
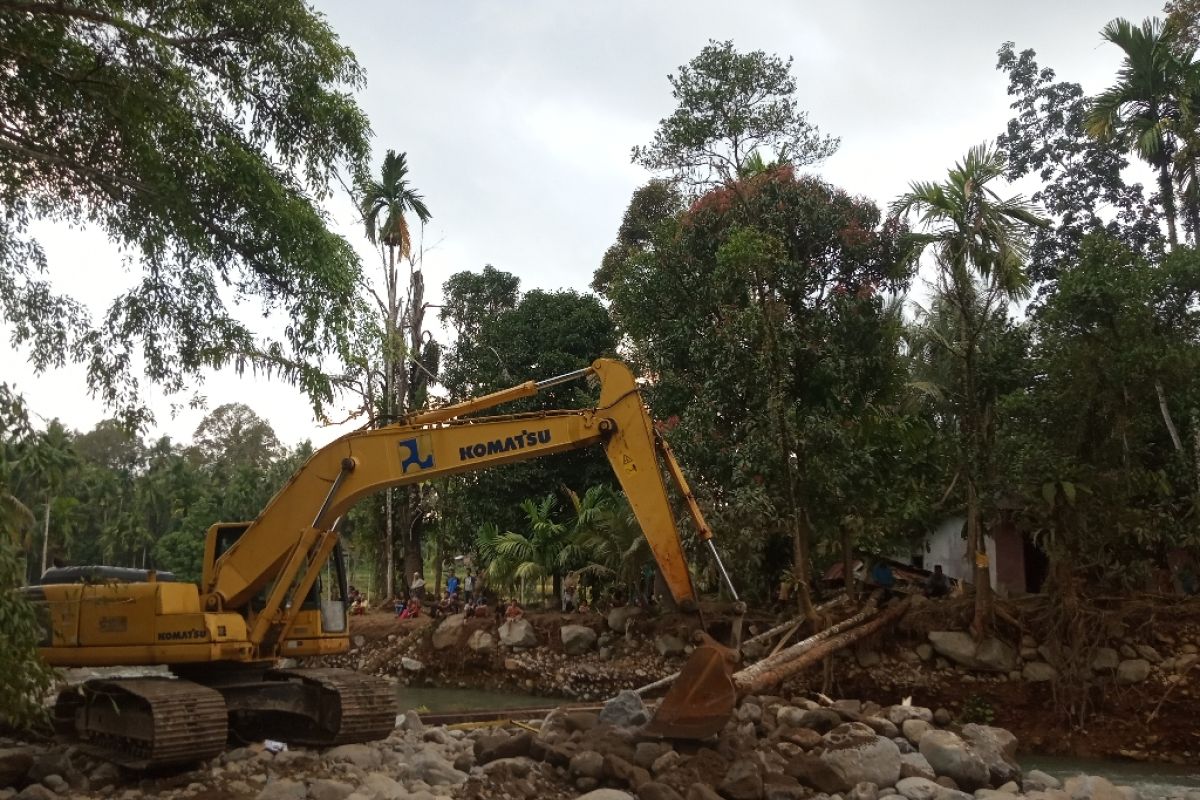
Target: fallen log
x=805, y=645
x=765, y=635
x=768, y=672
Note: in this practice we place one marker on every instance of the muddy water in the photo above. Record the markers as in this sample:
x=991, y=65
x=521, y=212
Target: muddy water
x=1151, y=780
x=445, y=701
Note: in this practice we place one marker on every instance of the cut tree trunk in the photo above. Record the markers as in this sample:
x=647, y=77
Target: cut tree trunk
x=772, y=662
x=754, y=681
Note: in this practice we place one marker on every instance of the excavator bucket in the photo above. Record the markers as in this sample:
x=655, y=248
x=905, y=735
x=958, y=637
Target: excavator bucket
x=702, y=698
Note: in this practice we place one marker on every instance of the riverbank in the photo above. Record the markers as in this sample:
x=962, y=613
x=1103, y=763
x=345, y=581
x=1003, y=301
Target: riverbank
x=1132, y=691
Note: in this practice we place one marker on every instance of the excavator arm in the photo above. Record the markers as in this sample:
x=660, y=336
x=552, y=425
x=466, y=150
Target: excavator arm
x=293, y=536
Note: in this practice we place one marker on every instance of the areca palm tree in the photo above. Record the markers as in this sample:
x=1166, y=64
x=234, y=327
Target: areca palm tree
x=384, y=203
x=980, y=247
x=48, y=461
x=1141, y=111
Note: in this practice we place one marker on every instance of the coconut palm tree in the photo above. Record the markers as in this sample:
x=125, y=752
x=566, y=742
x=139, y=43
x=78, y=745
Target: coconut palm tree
x=1141, y=111
x=980, y=247
x=384, y=203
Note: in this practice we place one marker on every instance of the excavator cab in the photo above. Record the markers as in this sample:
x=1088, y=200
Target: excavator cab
x=321, y=626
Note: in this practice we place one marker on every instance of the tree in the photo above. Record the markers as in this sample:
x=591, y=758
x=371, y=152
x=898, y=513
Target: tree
x=1142, y=110
x=980, y=248
x=1082, y=185
x=728, y=307
x=505, y=338
x=199, y=138
x=27, y=678
x=49, y=460
x=233, y=436
x=731, y=105
x=384, y=203
x=1083, y=442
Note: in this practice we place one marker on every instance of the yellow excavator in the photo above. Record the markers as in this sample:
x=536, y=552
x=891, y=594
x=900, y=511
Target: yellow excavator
x=276, y=588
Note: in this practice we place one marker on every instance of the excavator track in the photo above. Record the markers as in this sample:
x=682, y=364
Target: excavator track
x=313, y=707
x=143, y=723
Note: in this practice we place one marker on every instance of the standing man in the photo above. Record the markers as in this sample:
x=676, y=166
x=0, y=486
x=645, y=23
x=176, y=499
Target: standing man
x=452, y=583
x=469, y=585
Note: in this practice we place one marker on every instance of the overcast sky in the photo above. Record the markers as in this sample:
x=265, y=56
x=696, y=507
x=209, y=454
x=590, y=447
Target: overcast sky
x=518, y=119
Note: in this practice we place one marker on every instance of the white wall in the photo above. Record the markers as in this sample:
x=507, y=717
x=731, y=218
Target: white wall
x=947, y=546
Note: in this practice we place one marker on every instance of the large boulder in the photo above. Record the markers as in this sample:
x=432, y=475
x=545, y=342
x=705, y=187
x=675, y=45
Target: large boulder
x=428, y=766
x=14, y=763
x=619, y=616
x=448, y=633
x=1133, y=670
x=898, y=715
x=668, y=644
x=1092, y=787
x=576, y=639
x=1105, y=659
x=915, y=765
x=919, y=789
x=1038, y=672
x=480, y=641
x=626, y=710
x=998, y=749
x=989, y=655
x=518, y=633
x=743, y=781
x=1037, y=781
x=815, y=773
x=857, y=754
x=952, y=757
x=362, y=756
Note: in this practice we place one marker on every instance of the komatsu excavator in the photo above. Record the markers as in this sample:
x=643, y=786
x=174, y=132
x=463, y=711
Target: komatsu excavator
x=276, y=587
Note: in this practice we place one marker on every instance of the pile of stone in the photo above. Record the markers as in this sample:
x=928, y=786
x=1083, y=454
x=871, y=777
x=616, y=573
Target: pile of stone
x=776, y=749
x=772, y=749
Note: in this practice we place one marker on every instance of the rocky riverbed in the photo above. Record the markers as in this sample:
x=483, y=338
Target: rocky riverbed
x=774, y=748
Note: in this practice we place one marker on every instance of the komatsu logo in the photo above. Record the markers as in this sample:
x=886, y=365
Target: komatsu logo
x=420, y=455
x=495, y=446
x=182, y=636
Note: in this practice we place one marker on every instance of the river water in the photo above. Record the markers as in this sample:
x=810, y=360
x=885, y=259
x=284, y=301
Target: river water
x=436, y=700
x=1151, y=780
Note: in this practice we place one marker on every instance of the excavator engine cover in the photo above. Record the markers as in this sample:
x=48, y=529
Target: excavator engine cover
x=702, y=698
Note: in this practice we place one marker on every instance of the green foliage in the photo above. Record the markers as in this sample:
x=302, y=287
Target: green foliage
x=597, y=538
x=978, y=710
x=730, y=105
x=199, y=138
x=503, y=339
x=1085, y=443
x=759, y=307
x=1081, y=182
x=26, y=679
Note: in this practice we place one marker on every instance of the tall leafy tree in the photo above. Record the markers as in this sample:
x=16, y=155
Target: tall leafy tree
x=386, y=202
x=504, y=338
x=730, y=106
x=979, y=240
x=231, y=436
x=728, y=305
x=1081, y=180
x=200, y=139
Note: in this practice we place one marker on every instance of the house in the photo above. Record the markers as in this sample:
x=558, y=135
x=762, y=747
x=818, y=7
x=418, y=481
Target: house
x=1015, y=563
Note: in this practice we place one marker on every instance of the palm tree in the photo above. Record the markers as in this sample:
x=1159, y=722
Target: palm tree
x=48, y=461
x=383, y=203
x=980, y=248
x=1141, y=110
